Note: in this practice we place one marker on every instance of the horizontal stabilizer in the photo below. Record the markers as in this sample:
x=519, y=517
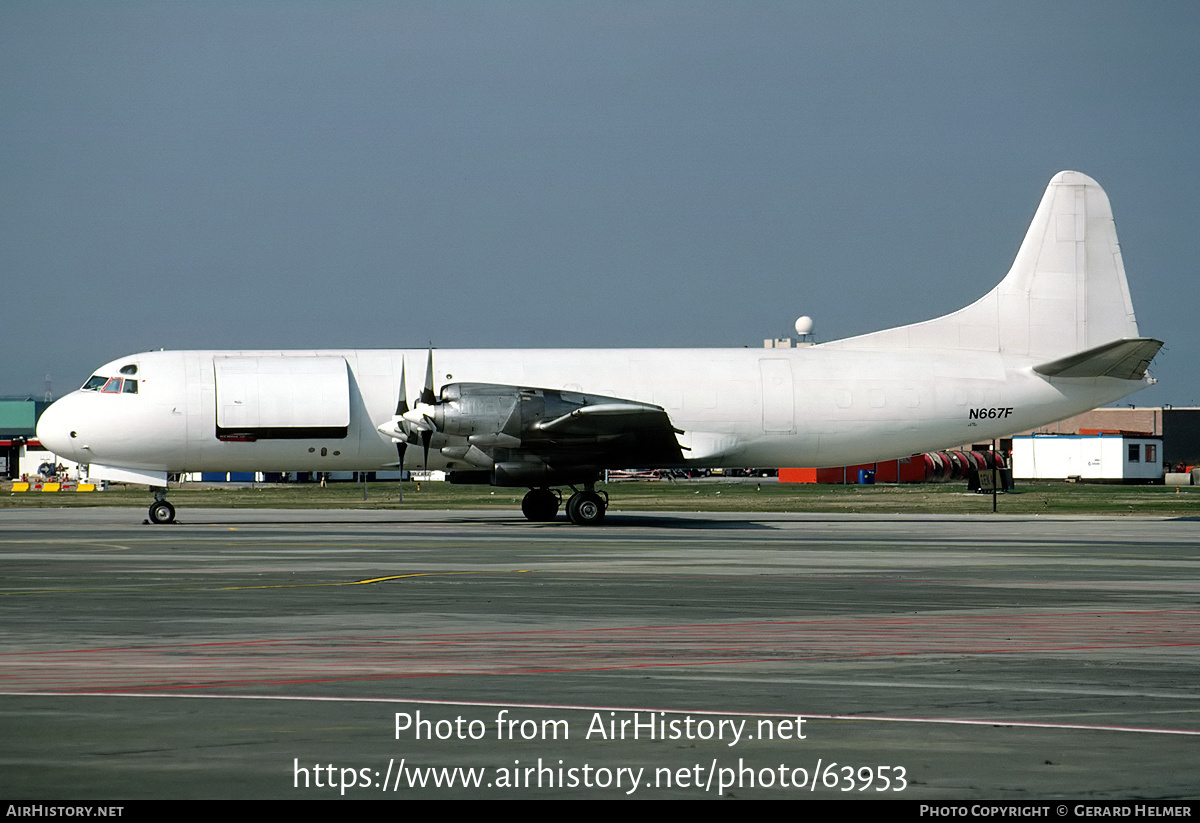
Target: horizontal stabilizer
x=1122, y=359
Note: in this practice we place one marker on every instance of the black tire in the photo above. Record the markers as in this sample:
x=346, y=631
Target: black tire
x=586, y=509
x=540, y=505
x=162, y=512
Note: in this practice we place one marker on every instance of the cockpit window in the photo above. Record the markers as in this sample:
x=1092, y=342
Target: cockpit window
x=111, y=385
x=130, y=369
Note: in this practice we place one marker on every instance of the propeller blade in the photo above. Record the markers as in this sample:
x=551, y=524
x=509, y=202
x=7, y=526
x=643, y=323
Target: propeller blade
x=402, y=445
x=427, y=395
x=426, y=436
x=402, y=403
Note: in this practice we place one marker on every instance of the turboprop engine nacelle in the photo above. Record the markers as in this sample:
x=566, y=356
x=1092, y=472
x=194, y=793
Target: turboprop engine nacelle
x=495, y=415
x=467, y=409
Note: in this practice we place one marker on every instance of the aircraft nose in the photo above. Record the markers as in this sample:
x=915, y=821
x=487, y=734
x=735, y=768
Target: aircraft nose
x=54, y=429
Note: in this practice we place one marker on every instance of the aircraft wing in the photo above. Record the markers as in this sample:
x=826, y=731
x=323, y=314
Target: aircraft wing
x=523, y=432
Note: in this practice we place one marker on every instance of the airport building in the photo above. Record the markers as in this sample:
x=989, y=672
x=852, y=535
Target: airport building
x=1179, y=429
x=18, y=426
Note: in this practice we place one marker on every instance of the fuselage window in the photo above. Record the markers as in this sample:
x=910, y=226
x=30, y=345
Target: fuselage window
x=130, y=369
x=130, y=387
x=113, y=386
x=94, y=383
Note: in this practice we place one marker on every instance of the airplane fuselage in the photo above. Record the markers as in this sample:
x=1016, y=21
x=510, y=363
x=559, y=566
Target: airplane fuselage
x=811, y=406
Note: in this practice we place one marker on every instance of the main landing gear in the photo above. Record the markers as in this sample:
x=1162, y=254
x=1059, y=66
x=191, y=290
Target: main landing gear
x=584, y=508
x=541, y=505
x=587, y=508
x=160, y=510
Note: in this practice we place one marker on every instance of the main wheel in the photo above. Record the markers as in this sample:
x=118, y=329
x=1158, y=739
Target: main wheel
x=586, y=509
x=540, y=505
x=162, y=512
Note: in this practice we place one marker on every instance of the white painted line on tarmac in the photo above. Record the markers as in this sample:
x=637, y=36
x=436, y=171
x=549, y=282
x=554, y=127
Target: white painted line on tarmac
x=942, y=721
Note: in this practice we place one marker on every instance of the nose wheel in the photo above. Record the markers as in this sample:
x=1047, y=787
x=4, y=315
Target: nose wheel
x=161, y=511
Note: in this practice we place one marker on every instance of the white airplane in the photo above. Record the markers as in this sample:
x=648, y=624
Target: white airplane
x=1056, y=337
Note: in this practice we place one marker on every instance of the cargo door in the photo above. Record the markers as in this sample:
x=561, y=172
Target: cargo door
x=282, y=398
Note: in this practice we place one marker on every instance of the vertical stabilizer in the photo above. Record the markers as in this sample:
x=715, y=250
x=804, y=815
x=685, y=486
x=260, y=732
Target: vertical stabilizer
x=1066, y=290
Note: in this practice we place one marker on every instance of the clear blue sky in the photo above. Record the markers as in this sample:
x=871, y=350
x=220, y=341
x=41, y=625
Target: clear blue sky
x=529, y=174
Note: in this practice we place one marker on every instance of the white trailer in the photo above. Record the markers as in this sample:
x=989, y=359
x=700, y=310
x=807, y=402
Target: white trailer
x=1109, y=457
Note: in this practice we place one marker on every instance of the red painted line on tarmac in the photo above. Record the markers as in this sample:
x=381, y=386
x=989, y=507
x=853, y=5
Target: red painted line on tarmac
x=278, y=661
x=851, y=625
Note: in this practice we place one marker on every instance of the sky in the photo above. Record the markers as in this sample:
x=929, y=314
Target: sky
x=569, y=174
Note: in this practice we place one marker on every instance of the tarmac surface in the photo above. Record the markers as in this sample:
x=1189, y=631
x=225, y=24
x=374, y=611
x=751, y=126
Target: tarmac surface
x=320, y=654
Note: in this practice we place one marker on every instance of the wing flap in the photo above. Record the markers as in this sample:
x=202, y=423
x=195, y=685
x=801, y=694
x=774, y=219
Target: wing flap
x=606, y=419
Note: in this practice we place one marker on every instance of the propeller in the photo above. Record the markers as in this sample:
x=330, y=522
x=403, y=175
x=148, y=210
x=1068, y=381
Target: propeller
x=415, y=423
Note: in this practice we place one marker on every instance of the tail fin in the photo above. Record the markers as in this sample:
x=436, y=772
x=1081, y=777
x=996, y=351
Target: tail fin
x=1065, y=293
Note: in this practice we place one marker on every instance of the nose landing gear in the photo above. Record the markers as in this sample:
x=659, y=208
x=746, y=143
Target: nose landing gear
x=160, y=510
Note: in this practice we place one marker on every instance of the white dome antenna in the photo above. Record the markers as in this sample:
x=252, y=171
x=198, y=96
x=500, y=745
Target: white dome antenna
x=804, y=328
